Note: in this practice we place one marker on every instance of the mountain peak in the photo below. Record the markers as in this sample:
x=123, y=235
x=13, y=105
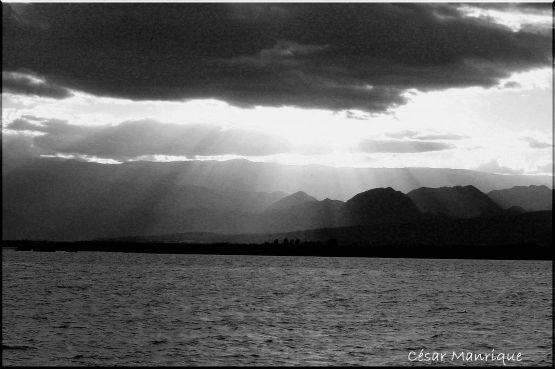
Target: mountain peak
x=297, y=198
x=300, y=194
x=377, y=191
x=381, y=205
x=530, y=198
x=457, y=201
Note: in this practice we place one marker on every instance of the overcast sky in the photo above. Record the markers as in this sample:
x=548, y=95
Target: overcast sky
x=350, y=84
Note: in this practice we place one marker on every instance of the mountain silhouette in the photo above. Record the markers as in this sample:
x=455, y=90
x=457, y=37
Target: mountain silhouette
x=243, y=175
x=72, y=200
x=530, y=198
x=456, y=202
x=504, y=228
x=515, y=210
x=84, y=205
x=380, y=205
x=307, y=215
x=17, y=227
x=297, y=198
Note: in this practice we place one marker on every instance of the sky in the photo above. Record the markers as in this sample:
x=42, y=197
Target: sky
x=443, y=85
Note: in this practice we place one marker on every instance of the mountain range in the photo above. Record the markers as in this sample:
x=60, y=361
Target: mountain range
x=454, y=202
x=70, y=200
x=298, y=198
x=529, y=198
x=502, y=229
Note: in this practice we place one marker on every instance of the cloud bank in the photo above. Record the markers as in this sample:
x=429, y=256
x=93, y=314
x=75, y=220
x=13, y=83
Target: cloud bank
x=19, y=83
x=536, y=144
x=425, y=136
x=408, y=146
x=132, y=139
x=333, y=56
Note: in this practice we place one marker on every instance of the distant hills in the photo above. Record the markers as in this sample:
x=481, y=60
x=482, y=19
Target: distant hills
x=17, y=227
x=242, y=175
x=380, y=205
x=70, y=200
x=502, y=230
x=298, y=198
x=529, y=198
x=455, y=202
x=306, y=215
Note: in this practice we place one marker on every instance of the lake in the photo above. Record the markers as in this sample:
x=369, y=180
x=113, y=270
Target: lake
x=96, y=308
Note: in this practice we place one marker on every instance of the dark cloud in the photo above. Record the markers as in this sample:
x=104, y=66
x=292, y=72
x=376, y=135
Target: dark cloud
x=419, y=136
x=133, y=139
x=440, y=136
x=338, y=56
x=536, y=144
x=395, y=146
x=512, y=84
x=22, y=124
x=18, y=83
x=358, y=115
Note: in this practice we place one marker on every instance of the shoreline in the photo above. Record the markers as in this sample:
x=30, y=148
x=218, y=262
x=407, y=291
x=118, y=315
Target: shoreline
x=523, y=252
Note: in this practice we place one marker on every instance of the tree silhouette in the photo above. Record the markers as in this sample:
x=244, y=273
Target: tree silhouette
x=331, y=242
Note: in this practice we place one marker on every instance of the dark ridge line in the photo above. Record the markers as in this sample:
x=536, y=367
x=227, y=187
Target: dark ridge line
x=330, y=248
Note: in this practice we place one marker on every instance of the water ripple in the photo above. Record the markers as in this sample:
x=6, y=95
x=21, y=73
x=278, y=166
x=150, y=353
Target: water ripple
x=140, y=309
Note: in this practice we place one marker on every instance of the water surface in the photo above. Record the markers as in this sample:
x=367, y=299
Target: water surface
x=95, y=308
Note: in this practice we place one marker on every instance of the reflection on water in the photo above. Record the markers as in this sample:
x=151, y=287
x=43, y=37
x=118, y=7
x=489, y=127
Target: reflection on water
x=129, y=309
